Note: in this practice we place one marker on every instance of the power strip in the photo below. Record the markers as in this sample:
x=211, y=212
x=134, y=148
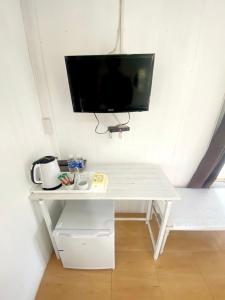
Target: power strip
x=118, y=128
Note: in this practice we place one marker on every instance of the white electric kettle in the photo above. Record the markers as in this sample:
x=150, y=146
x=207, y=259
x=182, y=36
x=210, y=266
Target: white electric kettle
x=45, y=171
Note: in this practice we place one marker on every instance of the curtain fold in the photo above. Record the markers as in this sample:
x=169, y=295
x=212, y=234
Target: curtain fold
x=213, y=160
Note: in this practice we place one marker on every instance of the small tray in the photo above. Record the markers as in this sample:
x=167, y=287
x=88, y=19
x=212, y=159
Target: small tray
x=86, y=176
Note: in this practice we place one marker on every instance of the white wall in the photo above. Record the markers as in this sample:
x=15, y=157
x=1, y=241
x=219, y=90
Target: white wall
x=187, y=93
x=25, y=246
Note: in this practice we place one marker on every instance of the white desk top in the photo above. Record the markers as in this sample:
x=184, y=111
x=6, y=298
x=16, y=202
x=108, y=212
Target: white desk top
x=126, y=182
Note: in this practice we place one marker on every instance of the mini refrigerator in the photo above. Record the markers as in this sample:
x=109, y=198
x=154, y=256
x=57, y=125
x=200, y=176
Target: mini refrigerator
x=84, y=234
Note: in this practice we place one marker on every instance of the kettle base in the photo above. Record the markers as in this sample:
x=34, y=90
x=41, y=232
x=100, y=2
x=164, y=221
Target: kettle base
x=54, y=188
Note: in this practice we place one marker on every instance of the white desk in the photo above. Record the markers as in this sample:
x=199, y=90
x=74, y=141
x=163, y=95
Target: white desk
x=126, y=182
x=198, y=210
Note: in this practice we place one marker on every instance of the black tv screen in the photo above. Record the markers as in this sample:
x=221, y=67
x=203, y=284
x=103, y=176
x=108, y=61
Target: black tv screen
x=110, y=83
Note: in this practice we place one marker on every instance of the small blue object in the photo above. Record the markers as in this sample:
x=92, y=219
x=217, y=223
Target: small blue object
x=81, y=163
x=74, y=164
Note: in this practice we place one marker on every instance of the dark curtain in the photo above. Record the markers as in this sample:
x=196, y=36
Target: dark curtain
x=212, y=162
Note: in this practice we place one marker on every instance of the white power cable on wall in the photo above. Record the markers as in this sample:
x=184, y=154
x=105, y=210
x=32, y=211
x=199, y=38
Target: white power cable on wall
x=119, y=30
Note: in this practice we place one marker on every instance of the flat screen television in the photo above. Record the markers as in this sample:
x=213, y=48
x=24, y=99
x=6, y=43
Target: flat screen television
x=110, y=83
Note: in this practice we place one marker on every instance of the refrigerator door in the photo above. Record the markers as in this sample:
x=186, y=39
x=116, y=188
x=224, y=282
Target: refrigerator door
x=92, y=250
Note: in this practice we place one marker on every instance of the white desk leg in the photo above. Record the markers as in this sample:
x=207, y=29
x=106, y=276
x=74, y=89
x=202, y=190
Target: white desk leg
x=48, y=222
x=162, y=229
x=147, y=221
x=149, y=212
x=164, y=240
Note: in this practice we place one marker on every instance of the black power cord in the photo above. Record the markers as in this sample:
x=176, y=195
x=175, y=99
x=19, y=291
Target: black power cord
x=127, y=121
x=98, y=122
x=104, y=132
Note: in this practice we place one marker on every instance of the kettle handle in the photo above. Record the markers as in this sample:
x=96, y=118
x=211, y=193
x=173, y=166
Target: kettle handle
x=33, y=173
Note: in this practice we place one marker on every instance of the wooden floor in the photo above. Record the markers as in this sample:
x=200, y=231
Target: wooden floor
x=191, y=267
